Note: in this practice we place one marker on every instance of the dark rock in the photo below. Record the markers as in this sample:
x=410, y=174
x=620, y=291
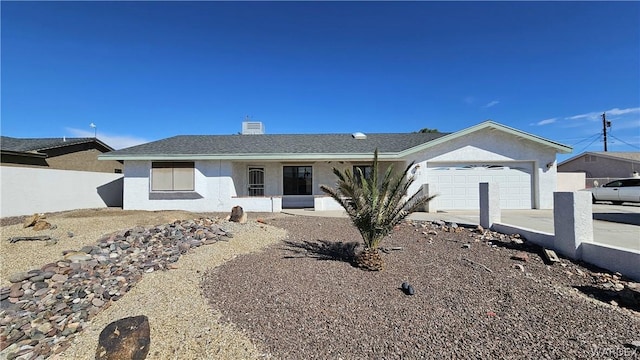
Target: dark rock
x=19, y=277
x=87, y=249
x=37, y=278
x=39, y=285
x=410, y=290
x=124, y=339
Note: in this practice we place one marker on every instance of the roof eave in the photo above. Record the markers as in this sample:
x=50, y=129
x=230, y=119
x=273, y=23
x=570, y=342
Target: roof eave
x=597, y=153
x=71, y=143
x=24, y=153
x=560, y=148
x=247, y=157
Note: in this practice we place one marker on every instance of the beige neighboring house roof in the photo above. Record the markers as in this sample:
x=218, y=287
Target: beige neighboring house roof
x=633, y=157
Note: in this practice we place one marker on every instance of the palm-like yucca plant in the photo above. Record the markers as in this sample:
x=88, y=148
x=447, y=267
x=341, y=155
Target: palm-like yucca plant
x=375, y=207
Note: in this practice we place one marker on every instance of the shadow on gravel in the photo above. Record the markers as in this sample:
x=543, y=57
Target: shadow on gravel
x=322, y=250
x=527, y=247
x=626, y=298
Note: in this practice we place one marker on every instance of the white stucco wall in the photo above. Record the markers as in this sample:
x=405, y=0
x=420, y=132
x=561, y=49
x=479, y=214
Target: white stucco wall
x=494, y=146
x=26, y=191
x=571, y=181
x=223, y=184
x=212, y=182
x=322, y=174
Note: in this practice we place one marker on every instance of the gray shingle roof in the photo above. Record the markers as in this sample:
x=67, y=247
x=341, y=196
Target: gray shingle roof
x=635, y=156
x=40, y=144
x=277, y=144
x=619, y=155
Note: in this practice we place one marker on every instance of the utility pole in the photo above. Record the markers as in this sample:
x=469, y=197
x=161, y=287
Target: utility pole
x=605, y=125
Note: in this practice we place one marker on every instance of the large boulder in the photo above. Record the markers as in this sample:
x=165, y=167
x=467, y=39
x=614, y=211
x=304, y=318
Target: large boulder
x=41, y=225
x=238, y=215
x=31, y=220
x=125, y=339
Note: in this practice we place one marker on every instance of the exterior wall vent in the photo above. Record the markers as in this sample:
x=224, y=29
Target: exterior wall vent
x=359, y=135
x=252, y=128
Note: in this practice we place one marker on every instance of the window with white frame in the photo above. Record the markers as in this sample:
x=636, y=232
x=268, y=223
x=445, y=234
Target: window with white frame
x=172, y=176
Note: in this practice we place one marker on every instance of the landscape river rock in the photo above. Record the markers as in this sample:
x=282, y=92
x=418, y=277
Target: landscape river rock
x=43, y=308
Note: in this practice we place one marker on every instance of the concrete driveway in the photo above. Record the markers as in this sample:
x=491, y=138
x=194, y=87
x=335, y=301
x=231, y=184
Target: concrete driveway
x=614, y=225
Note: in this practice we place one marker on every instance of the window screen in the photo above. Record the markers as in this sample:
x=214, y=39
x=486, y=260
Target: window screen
x=172, y=176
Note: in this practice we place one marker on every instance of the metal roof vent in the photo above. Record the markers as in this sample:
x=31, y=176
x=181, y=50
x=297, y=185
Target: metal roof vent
x=252, y=128
x=359, y=135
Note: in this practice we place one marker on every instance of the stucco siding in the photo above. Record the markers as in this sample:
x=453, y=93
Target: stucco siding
x=85, y=160
x=223, y=184
x=493, y=146
x=600, y=168
x=31, y=190
x=213, y=185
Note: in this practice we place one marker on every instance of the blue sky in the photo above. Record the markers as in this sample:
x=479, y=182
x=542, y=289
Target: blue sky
x=143, y=71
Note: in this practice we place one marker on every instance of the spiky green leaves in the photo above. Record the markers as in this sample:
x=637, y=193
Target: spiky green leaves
x=375, y=206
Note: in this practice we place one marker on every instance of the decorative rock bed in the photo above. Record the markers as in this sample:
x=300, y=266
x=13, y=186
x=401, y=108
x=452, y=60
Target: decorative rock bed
x=43, y=308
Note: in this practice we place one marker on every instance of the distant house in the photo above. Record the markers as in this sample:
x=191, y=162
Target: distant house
x=57, y=153
x=263, y=172
x=603, y=164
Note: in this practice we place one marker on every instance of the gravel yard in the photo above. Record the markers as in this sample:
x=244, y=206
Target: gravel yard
x=74, y=229
x=301, y=299
x=268, y=293
x=182, y=324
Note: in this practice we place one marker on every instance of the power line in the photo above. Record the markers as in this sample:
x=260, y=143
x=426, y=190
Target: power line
x=622, y=141
x=594, y=140
x=596, y=135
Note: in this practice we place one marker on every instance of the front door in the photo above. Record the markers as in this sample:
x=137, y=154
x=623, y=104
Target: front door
x=297, y=185
x=256, y=181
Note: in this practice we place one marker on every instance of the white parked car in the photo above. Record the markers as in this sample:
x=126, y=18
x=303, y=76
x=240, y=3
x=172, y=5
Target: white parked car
x=618, y=191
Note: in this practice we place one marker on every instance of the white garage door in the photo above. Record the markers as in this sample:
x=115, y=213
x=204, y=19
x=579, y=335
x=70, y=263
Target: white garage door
x=459, y=186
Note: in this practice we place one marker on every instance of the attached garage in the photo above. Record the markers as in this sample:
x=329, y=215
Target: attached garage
x=458, y=184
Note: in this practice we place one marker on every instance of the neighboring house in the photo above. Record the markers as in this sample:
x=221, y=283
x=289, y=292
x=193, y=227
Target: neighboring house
x=603, y=164
x=263, y=172
x=57, y=153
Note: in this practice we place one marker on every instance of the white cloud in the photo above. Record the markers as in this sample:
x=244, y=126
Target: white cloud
x=115, y=141
x=597, y=115
x=492, y=103
x=621, y=125
x=617, y=111
x=545, y=122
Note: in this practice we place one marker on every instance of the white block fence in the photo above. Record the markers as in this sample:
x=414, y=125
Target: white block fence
x=573, y=227
x=26, y=191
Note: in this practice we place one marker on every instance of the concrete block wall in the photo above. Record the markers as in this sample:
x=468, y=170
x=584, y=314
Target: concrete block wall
x=26, y=191
x=571, y=181
x=573, y=237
